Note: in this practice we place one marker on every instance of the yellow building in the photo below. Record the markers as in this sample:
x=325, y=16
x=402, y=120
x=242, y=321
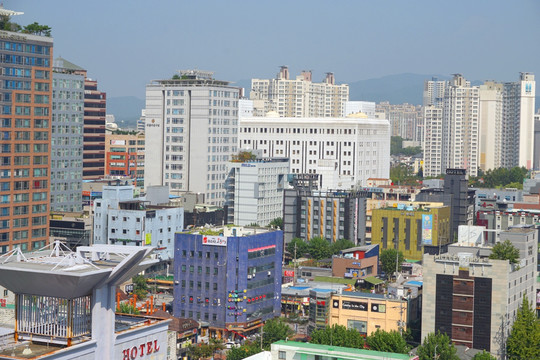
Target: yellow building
x=411, y=229
x=366, y=312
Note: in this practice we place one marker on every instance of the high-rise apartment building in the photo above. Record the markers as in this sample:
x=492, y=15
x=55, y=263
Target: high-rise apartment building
x=300, y=97
x=433, y=137
x=405, y=119
x=25, y=133
x=95, y=104
x=345, y=152
x=491, y=125
x=191, y=133
x=434, y=92
x=67, y=136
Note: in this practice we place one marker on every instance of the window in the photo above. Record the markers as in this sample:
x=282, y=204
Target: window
x=215, y=286
x=282, y=355
x=184, y=268
x=358, y=325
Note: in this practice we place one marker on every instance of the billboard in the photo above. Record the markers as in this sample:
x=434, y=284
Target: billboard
x=118, y=142
x=214, y=240
x=427, y=226
x=148, y=239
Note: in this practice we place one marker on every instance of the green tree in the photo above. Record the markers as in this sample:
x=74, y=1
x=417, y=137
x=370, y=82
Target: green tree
x=437, y=346
x=484, y=355
x=274, y=330
x=243, y=351
x=243, y=156
x=277, y=223
x=391, y=341
x=319, y=248
x=126, y=308
x=337, y=335
x=140, y=287
x=301, y=248
x=524, y=339
x=37, y=29
x=388, y=260
x=341, y=244
x=176, y=77
x=396, y=144
x=505, y=251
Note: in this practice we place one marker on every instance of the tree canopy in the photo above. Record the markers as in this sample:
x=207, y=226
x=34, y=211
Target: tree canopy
x=274, y=330
x=403, y=175
x=319, y=248
x=243, y=156
x=396, y=147
x=37, y=29
x=199, y=351
x=277, y=223
x=391, y=341
x=242, y=352
x=505, y=251
x=140, y=287
x=524, y=339
x=437, y=346
x=500, y=177
x=388, y=260
x=337, y=335
x=484, y=355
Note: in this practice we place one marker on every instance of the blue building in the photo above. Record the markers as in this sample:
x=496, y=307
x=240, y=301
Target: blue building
x=231, y=281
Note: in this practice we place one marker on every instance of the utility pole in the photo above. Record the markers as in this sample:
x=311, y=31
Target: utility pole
x=262, y=331
x=294, y=265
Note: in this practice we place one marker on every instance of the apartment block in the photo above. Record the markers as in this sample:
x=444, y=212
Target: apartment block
x=125, y=155
x=405, y=119
x=345, y=152
x=67, y=136
x=191, y=132
x=300, y=97
x=25, y=131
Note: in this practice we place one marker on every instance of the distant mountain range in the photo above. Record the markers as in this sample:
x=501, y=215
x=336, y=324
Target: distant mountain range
x=397, y=89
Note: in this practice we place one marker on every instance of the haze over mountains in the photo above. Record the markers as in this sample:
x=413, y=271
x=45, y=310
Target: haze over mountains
x=397, y=89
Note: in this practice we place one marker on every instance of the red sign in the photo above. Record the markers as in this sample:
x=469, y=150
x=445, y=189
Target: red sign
x=140, y=350
x=289, y=273
x=3, y=302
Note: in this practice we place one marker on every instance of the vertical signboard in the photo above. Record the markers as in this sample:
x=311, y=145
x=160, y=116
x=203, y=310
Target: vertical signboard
x=427, y=226
x=148, y=239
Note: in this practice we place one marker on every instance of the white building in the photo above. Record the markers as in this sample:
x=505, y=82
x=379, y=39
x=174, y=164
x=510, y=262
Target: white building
x=345, y=151
x=191, y=132
x=432, y=141
x=245, y=108
x=122, y=219
x=491, y=125
x=300, y=97
x=366, y=107
x=255, y=191
x=434, y=92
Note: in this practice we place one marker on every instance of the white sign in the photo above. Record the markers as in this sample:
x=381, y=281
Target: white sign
x=214, y=240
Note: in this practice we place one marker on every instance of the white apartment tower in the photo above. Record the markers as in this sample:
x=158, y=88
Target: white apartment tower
x=191, y=133
x=491, y=125
x=345, y=152
x=434, y=92
x=300, y=97
x=433, y=140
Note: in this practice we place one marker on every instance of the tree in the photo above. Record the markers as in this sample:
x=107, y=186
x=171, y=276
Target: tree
x=524, y=339
x=341, y=244
x=387, y=341
x=337, y=335
x=396, y=144
x=243, y=156
x=37, y=29
x=388, y=260
x=176, y=77
x=243, y=351
x=301, y=248
x=140, y=287
x=319, y=248
x=484, y=355
x=437, y=346
x=277, y=223
x=505, y=251
x=274, y=330
x=126, y=308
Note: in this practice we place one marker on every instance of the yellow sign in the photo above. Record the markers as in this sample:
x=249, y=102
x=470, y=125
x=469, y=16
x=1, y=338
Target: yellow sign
x=148, y=240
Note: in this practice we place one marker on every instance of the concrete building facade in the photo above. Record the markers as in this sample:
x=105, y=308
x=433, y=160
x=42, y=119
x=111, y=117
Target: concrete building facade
x=124, y=156
x=344, y=151
x=191, y=132
x=67, y=136
x=300, y=97
x=122, y=219
x=25, y=134
x=475, y=299
x=255, y=190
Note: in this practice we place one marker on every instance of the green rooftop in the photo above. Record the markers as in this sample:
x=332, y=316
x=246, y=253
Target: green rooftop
x=341, y=352
x=373, y=280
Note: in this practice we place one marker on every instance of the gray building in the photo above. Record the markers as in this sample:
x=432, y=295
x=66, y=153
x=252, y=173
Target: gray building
x=330, y=214
x=456, y=194
x=254, y=190
x=475, y=299
x=67, y=136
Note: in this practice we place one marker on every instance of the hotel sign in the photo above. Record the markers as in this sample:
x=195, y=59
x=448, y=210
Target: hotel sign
x=214, y=240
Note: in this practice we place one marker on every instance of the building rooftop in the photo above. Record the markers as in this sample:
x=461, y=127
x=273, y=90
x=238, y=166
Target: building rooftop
x=62, y=64
x=344, y=352
x=229, y=231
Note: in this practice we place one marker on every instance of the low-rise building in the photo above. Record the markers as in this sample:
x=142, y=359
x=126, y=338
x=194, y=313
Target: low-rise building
x=357, y=263
x=367, y=312
x=124, y=156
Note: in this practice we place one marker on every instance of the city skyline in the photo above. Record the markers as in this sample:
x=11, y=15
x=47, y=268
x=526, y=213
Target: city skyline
x=478, y=40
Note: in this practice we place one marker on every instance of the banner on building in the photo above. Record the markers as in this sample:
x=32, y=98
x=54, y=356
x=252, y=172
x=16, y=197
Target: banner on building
x=148, y=239
x=427, y=226
x=214, y=240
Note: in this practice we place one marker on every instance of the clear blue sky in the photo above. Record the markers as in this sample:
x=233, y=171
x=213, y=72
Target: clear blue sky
x=125, y=44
